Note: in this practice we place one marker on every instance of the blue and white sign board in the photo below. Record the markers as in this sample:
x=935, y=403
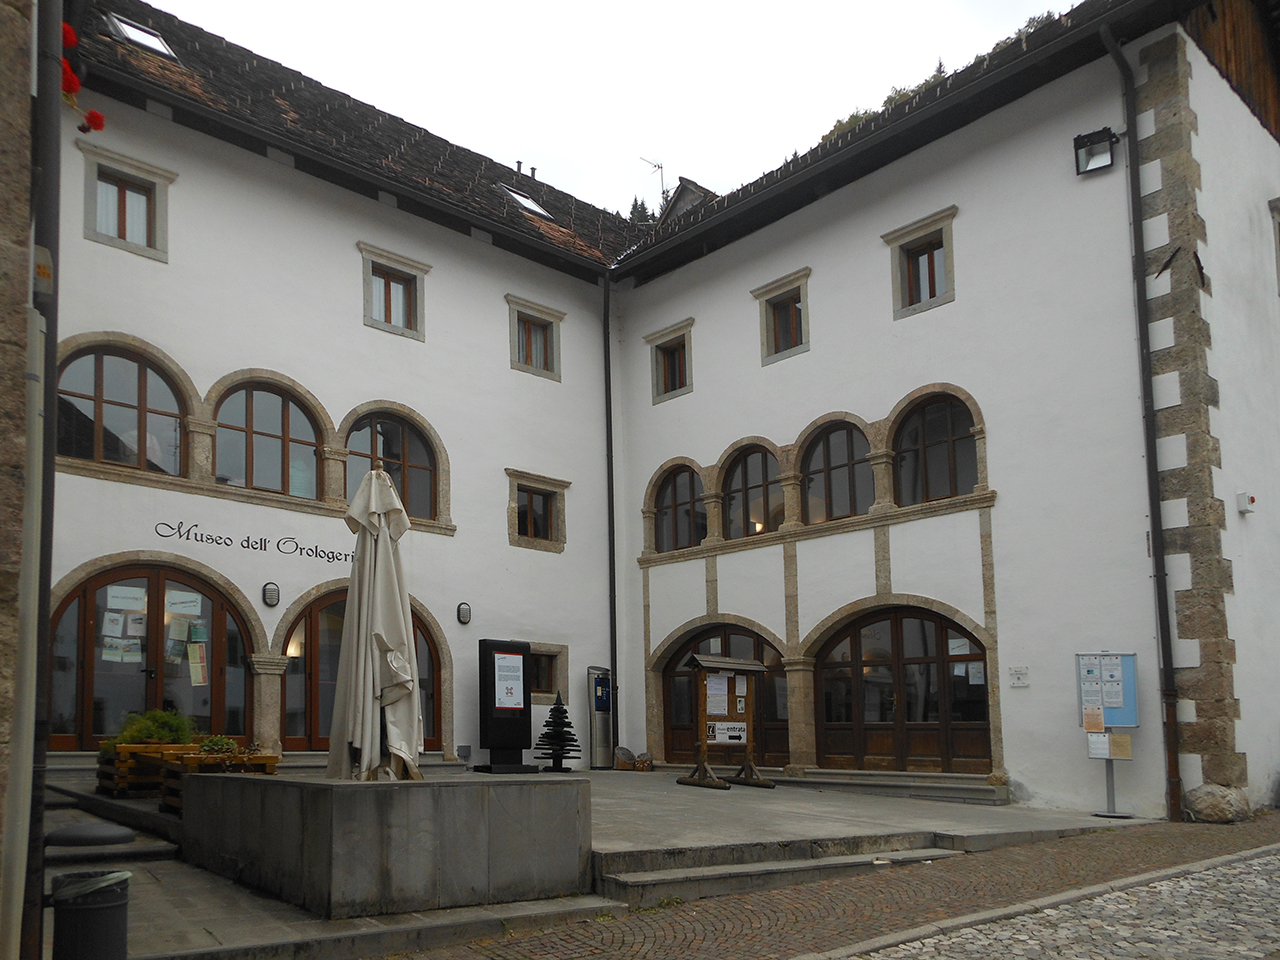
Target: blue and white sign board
x=1109, y=681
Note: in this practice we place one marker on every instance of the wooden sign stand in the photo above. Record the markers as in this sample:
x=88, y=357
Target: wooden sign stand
x=748, y=774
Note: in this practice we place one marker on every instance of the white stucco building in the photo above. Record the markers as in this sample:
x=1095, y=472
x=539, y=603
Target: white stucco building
x=877, y=419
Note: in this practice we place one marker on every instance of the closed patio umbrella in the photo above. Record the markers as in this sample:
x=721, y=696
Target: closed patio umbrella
x=377, y=725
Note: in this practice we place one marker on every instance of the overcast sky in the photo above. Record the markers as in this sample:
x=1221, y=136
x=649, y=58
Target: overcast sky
x=715, y=91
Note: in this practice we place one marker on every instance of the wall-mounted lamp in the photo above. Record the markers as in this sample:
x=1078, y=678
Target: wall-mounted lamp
x=464, y=613
x=1245, y=502
x=271, y=594
x=1093, y=150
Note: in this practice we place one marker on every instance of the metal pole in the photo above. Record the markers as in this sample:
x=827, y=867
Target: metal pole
x=1111, y=786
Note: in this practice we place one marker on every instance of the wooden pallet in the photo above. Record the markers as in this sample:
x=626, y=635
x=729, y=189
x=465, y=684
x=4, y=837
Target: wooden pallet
x=133, y=771
x=175, y=769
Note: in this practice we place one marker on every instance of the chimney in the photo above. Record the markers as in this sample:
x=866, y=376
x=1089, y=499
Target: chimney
x=518, y=162
x=533, y=172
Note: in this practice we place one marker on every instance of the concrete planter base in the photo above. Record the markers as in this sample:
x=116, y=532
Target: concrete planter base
x=343, y=849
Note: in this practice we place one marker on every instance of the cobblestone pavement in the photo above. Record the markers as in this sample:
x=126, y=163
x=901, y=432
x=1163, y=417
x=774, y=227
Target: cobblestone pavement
x=1229, y=911
x=822, y=917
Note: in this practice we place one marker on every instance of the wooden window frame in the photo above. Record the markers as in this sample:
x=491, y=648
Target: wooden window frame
x=671, y=360
x=520, y=482
x=142, y=407
x=525, y=330
x=928, y=234
x=379, y=263
x=524, y=503
x=285, y=438
x=522, y=316
x=672, y=357
x=371, y=420
x=791, y=305
x=770, y=488
x=823, y=440
x=103, y=165
x=921, y=449
x=392, y=279
x=667, y=507
x=928, y=287
x=123, y=185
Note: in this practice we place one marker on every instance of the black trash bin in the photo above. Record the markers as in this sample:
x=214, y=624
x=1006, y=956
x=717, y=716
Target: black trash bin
x=91, y=915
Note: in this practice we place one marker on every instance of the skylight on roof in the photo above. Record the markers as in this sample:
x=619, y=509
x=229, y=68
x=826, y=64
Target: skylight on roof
x=142, y=36
x=525, y=201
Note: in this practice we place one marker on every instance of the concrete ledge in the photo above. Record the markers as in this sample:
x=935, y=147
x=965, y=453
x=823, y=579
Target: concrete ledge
x=345, y=849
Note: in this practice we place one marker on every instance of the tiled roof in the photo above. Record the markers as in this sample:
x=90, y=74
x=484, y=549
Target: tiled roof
x=222, y=82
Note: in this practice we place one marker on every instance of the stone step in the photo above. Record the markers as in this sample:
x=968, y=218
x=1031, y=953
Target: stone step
x=142, y=850
x=952, y=787
x=652, y=888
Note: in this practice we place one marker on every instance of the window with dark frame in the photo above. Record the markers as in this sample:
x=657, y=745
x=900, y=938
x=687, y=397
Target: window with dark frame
x=126, y=209
x=542, y=666
x=534, y=513
x=266, y=441
x=116, y=408
x=671, y=358
x=753, y=502
x=837, y=477
x=533, y=343
x=788, y=330
x=680, y=518
x=406, y=455
x=392, y=298
x=935, y=452
x=926, y=273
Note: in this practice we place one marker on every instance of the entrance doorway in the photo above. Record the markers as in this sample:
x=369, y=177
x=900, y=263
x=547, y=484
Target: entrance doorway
x=772, y=746
x=903, y=689
x=144, y=638
x=310, y=680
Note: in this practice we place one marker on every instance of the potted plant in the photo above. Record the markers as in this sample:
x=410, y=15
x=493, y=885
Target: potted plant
x=123, y=770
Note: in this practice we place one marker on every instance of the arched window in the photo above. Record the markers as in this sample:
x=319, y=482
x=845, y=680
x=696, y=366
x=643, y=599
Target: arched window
x=147, y=638
x=837, y=475
x=752, y=494
x=681, y=697
x=681, y=516
x=903, y=689
x=310, y=679
x=936, y=452
x=266, y=441
x=115, y=408
x=406, y=456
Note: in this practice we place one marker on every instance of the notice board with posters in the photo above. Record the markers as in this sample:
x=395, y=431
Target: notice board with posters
x=1107, y=683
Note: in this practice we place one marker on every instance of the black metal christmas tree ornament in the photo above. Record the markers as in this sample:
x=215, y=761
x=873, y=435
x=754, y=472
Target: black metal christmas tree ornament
x=557, y=740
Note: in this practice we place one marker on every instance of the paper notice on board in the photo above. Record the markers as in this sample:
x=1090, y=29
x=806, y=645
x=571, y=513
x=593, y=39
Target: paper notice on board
x=112, y=624
x=1111, y=669
x=1093, y=722
x=174, y=650
x=178, y=628
x=739, y=684
x=112, y=650
x=1091, y=693
x=182, y=601
x=1121, y=746
x=1090, y=668
x=135, y=624
x=959, y=669
x=1099, y=746
x=977, y=673
x=130, y=651
x=508, y=681
x=199, y=631
x=717, y=695
x=126, y=598
x=1112, y=693
x=199, y=665
x=957, y=646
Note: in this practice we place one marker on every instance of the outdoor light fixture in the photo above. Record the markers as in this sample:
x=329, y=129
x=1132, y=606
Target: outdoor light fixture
x=271, y=594
x=1093, y=150
x=464, y=613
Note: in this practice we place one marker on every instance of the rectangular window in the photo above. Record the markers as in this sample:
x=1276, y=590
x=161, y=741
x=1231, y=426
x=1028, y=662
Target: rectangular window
x=534, y=514
x=543, y=668
x=784, y=328
x=124, y=210
x=673, y=370
x=786, y=324
x=392, y=298
x=533, y=339
x=126, y=202
x=393, y=291
x=923, y=263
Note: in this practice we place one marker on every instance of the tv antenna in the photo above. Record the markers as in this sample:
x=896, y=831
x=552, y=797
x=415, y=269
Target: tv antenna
x=662, y=180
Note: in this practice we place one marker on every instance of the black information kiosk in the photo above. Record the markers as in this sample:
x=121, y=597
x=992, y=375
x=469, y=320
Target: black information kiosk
x=506, y=688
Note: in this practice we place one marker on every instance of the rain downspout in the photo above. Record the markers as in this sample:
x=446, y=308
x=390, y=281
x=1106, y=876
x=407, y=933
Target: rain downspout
x=1168, y=687
x=613, y=545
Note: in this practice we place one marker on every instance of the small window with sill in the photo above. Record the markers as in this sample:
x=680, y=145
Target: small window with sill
x=922, y=264
x=126, y=202
x=536, y=511
x=549, y=664
x=535, y=337
x=672, y=361
x=784, y=316
x=393, y=292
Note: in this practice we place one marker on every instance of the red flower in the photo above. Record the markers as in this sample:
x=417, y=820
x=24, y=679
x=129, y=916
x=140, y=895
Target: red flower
x=95, y=120
x=70, y=82
x=69, y=38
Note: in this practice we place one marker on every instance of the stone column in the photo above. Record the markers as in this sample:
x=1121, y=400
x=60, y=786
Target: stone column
x=801, y=737
x=715, y=517
x=650, y=536
x=882, y=475
x=200, y=434
x=333, y=467
x=980, y=446
x=267, y=669
x=791, y=502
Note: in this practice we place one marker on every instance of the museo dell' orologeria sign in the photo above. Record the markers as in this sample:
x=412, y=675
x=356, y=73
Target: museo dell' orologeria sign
x=289, y=546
